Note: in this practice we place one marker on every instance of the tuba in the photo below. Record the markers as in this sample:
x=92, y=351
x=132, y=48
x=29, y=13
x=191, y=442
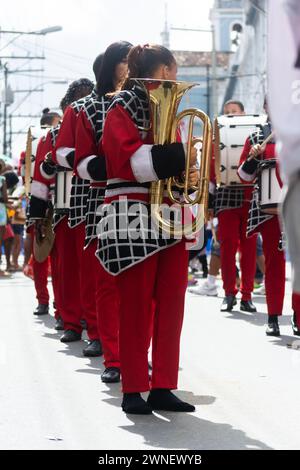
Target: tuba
x=164, y=97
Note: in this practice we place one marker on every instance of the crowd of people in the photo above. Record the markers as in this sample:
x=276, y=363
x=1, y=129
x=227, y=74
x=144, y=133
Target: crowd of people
x=95, y=164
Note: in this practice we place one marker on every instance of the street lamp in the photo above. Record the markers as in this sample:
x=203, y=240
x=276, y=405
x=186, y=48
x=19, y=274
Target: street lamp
x=42, y=32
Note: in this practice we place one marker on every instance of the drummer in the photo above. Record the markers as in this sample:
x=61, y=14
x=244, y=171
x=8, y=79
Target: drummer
x=231, y=206
x=269, y=227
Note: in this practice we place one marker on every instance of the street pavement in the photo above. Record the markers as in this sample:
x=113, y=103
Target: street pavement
x=245, y=386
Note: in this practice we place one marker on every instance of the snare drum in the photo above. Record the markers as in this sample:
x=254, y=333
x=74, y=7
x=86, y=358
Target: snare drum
x=269, y=187
x=62, y=191
x=231, y=133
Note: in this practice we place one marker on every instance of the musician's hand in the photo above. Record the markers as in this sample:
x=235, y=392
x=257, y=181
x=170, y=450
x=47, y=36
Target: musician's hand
x=193, y=157
x=48, y=159
x=210, y=213
x=257, y=150
x=194, y=176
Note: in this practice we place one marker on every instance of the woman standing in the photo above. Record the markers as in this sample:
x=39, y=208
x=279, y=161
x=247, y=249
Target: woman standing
x=3, y=213
x=145, y=266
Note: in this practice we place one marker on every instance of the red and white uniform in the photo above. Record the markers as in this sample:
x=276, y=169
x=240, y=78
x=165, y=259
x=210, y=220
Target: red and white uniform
x=148, y=270
x=39, y=202
x=78, y=275
x=90, y=165
x=231, y=207
x=268, y=226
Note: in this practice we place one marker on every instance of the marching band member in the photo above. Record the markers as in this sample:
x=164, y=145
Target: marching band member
x=40, y=270
x=91, y=166
x=146, y=268
x=69, y=266
x=269, y=227
x=231, y=207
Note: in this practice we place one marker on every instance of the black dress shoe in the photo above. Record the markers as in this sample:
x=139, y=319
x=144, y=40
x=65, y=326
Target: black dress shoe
x=273, y=326
x=70, y=336
x=94, y=349
x=228, y=303
x=296, y=329
x=165, y=400
x=59, y=324
x=111, y=375
x=134, y=404
x=42, y=309
x=248, y=306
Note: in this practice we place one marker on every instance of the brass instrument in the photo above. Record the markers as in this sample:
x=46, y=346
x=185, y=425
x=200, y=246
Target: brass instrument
x=165, y=97
x=44, y=238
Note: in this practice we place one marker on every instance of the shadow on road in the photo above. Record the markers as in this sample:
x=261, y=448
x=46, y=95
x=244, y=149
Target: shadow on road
x=166, y=430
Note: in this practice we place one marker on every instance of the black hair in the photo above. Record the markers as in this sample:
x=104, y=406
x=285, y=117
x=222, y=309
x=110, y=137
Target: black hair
x=97, y=66
x=143, y=61
x=114, y=55
x=48, y=117
x=78, y=89
x=238, y=103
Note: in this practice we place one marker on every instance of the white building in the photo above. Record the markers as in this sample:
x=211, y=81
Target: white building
x=241, y=27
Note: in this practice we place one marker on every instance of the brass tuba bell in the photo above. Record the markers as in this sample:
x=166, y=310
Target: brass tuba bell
x=164, y=97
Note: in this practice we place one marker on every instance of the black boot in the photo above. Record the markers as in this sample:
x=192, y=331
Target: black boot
x=83, y=324
x=273, y=326
x=296, y=329
x=94, y=349
x=59, y=324
x=70, y=336
x=248, y=306
x=165, y=400
x=111, y=375
x=228, y=303
x=42, y=309
x=134, y=404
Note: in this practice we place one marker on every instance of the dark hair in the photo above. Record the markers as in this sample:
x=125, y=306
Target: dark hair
x=48, y=117
x=114, y=55
x=97, y=66
x=78, y=89
x=143, y=61
x=238, y=103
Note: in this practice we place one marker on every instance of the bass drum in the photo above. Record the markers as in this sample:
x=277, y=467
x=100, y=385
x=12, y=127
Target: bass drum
x=270, y=191
x=231, y=133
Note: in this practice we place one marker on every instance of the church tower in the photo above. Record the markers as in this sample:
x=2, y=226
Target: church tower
x=228, y=18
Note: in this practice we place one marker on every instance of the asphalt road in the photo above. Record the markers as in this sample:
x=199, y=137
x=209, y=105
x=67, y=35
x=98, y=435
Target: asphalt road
x=245, y=386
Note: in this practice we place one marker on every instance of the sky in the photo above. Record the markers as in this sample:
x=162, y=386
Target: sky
x=89, y=26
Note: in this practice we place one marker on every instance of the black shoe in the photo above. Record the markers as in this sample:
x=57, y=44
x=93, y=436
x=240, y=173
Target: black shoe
x=42, y=309
x=228, y=303
x=248, y=306
x=134, y=404
x=165, y=400
x=59, y=324
x=70, y=336
x=83, y=324
x=111, y=375
x=273, y=326
x=94, y=349
x=296, y=329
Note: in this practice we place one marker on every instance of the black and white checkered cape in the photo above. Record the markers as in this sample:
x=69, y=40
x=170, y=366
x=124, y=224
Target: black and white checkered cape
x=228, y=198
x=256, y=217
x=117, y=250
x=95, y=199
x=95, y=110
x=80, y=187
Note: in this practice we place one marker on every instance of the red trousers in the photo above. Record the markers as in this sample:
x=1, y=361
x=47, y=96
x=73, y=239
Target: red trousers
x=107, y=306
x=161, y=278
x=86, y=268
x=232, y=235
x=65, y=243
x=40, y=276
